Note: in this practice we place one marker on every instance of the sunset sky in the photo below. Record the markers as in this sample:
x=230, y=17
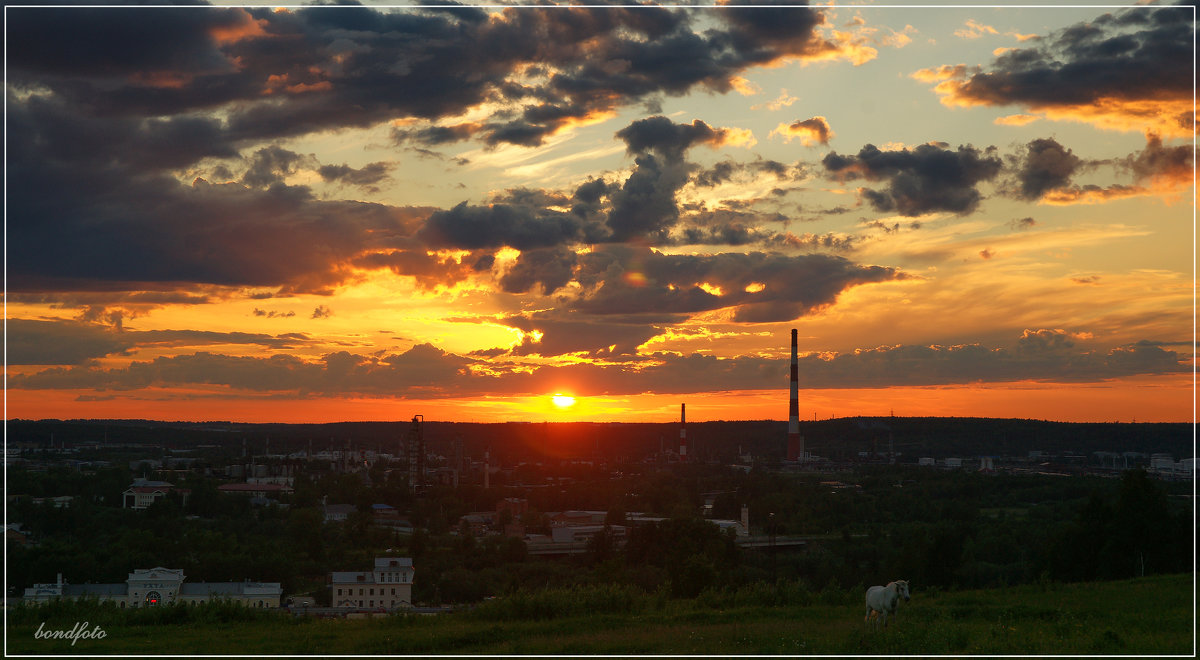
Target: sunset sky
x=365, y=213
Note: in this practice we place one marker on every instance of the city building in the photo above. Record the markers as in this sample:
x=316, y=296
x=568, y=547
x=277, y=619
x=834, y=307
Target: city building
x=388, y=586
x=161, y=586
x=255, y=489
x=144, y=492
x=338, y=512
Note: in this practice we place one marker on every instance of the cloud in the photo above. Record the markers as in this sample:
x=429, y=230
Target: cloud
x=1156, y=170
x=367, y=175
x=519, y=226
x=270, y=165
x=321, y=312
x=428, y=372
x=624, y=280
x=810, y=132
x=922, y=180
x=1163, y=168
x=973, y=30
x=274, y=314
x=671, y=140
x=428, y=270
x=1044, y=165
x=550, y=268
x=782, y=101
x=729, y=170
x=60, y=342
x=1127, y=71
x=31, y=341
x=277, y=75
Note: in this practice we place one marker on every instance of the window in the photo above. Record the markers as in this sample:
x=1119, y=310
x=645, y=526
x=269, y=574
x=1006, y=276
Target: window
x=371, y=604
x=370, y=592
x=393, y=591
x=360, y=592
x=339, y=592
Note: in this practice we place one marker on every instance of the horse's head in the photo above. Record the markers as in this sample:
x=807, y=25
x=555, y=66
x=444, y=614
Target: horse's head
x=902, y=589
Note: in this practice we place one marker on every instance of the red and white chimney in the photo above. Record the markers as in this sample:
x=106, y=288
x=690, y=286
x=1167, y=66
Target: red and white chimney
x=795, y=446
x=683, y=433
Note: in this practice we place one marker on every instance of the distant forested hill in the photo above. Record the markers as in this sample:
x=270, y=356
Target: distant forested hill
x=509, y=442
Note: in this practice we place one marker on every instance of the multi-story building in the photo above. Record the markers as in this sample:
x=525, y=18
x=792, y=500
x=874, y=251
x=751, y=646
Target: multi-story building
x=161, y=586
x=142, y=493
x=388, y=586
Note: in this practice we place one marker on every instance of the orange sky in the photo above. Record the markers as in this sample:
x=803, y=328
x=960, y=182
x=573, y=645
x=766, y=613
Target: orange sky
x=259, y=215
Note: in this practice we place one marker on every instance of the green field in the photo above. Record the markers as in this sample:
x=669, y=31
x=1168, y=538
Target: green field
x=1152, y=615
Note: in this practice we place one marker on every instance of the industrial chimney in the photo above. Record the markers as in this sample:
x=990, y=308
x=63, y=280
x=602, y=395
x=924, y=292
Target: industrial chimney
x=795, y=446
x=683, y=433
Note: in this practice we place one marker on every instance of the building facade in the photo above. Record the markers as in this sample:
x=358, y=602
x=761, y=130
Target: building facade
x=388, y=586
x=142, y=493
x=161, y=586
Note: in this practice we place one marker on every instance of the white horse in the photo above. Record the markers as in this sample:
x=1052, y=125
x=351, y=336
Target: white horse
x=883, y=600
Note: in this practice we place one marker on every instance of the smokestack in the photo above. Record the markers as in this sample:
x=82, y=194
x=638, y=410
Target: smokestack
x=683, y=433
x=795, y=446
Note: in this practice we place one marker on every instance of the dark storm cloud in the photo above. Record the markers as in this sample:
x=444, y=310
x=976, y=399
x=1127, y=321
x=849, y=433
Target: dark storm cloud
x=1136, y=56
x=667, y=138
x=645, y=207
x=430, y=372
x=156, y=232
x=922, y=180
x=284, y=74
x=44, y=132
x=496, y=225
x=1044, y=165
x=551, y=268
x=115, y=42
x=760, y=287
x=1046, y=356
x=60, y=342
x=106, y=106
x=270, y=165
x=412, y=372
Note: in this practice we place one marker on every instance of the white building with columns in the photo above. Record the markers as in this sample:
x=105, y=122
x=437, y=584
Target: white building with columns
x=161, y=586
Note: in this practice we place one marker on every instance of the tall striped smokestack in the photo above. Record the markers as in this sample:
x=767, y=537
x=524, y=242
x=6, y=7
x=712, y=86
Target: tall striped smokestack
x=795, y=449
x=683, y=433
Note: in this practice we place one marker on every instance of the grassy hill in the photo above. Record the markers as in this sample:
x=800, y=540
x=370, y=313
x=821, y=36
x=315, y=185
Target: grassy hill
x=1153, y=615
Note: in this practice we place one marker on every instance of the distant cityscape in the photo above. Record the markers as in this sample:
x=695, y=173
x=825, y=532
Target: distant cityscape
x=263, y=471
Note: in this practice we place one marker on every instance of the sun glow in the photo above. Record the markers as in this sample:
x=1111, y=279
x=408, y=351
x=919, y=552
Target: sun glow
x=563, y=400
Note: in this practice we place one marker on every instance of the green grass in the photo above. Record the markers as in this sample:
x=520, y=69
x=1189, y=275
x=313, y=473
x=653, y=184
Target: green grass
x=1144, y=616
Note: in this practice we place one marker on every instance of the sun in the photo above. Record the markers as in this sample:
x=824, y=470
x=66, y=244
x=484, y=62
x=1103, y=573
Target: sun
x=563, y=400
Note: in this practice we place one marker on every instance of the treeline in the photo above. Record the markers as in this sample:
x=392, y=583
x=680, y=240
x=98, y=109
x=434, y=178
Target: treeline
x=937, y=529
x=510, y=443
